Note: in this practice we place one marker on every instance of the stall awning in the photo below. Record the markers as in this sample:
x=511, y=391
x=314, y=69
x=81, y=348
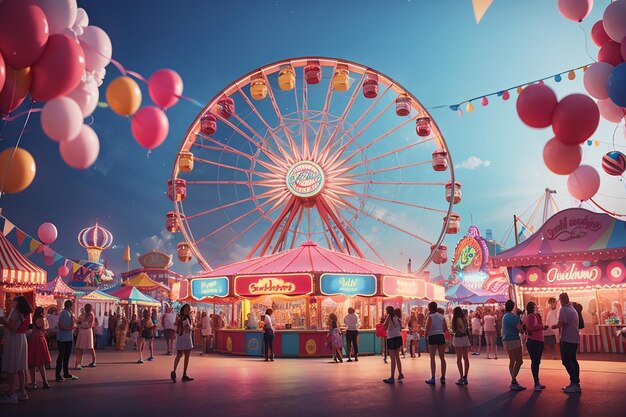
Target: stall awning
x=144, y=283
x=98, y=295
x=58, y=288
x=461, y=292
x=17, y=269
x=132, y=295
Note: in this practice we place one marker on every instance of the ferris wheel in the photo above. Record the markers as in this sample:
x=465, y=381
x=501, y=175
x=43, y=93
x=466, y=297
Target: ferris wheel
x=317, y=149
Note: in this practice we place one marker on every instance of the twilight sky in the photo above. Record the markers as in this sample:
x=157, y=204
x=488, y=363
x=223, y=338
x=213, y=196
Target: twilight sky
x=434, y=49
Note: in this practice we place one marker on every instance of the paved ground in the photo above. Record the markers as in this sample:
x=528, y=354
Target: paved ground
x=240, y=386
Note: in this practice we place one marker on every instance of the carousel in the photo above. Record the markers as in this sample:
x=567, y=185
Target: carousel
x=93, y=273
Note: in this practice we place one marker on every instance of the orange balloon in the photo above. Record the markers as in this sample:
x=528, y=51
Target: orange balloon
x=124, y=96
x=16, y=87
x=18, y=172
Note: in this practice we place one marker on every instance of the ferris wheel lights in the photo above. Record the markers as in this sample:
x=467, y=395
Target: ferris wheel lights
x=226, y=107
x=286, y=79
x=185, y=161
x=441, y=254
x=258, y=89
x=455, y=223
x=457, y=192
x=403, y=105
x=184, y=252
x=208, y=124
x=422, y=126
x=341, y=80
x=440, y=159
x=313, y=73
x=177, y=191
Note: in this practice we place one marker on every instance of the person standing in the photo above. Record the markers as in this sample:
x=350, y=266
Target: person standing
x=113, y=317
x=38, y=353
x=489, y=323
x=511, y=327
x=393, y=327
x=104, y=339
x=477, y=327
x=550, y=335
x=534, y=343
x=65, y=337
x=205, y=331
x=334, y=337
x=184, y=342
x=461, y=343
x=268, y=335
x=146, y=332
x=435, y=330
x=121, y=330
x=568, y=329
x=381, y=333
x=352, y=334
x=15, y=352
x=84, y=340
x=168, y=321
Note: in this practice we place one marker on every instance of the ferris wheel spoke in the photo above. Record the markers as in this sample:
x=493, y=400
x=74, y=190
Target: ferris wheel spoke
x=347, y=238
x=327, y=101
x=222, y=147
x=392, y=225
x=394, y=168
x=213, y=210
x=403, y=203
x=280, y=241
x=221, y=165
x=268, y=236
x=294, y=234
x=329, y=226
x=263, y=141
x=356, y=231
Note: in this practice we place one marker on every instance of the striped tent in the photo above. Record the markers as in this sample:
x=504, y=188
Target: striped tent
x=15, y=268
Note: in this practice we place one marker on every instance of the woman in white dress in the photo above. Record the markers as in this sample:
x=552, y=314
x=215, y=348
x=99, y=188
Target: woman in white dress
x=184, y=342
x=84, y=340
x=15, y=353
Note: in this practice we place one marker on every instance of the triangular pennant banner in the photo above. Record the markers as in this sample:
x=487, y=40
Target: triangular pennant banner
x=47, y=251
x=480, y=8
x=75, y=267
x=57, y=257
x=34, y=244
x=8, y=226
x=20, y=236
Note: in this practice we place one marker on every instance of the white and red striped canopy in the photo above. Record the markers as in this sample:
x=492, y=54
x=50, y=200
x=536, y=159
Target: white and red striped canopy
x=15, y=268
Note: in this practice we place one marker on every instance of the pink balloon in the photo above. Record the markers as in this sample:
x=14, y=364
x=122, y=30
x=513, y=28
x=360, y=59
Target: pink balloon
x=583, y=183
x=598, y=34
x=610, y=111
x=23, y=32
x=61, y=14
x=560, y=158
x=595, y=78
x=86, y=95
x=575, y=119
x=97, y=46
x=610, y=53
x=165, y=87
x=535, y=105
x=59, y=70
x=82, y=151
x=614, y=20
x=149, y=127
x=575, y=10
x=3, y=71
x=63, y=271
x=61, y=119
x=47, y=233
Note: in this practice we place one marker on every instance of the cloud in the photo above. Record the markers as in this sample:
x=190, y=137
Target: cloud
x=473, y=162
x=161, y=242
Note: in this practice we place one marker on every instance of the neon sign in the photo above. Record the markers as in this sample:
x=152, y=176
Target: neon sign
x=348, y=285
x=404, y=287
x=287, y=284
x=573, y=273
x=202, y=288
x=305, y=179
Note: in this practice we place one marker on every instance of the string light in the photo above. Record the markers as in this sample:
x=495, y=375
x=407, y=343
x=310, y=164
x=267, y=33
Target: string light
x=558, y=78
x=470, y=107
x=485, y=101
x=571, y=75
x=520, y=89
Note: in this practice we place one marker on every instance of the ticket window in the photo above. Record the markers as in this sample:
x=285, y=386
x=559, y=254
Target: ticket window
x=364, y=308
x=287, y=314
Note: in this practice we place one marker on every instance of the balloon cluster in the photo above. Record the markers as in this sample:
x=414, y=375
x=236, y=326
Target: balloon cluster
x=573, y=119
x=605, y=80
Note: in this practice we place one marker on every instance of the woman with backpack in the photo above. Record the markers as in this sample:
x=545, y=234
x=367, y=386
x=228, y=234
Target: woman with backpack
x=534, y=343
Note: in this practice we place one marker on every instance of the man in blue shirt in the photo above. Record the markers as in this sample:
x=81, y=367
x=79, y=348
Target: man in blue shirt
x=511, y=326
x=65, y=336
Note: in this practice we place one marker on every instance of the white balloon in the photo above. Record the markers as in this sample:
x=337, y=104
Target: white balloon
x=86, y=95
x=82, y=19
x=99, y=75
x=97, y=48
x=61, y=119
x=60, y=14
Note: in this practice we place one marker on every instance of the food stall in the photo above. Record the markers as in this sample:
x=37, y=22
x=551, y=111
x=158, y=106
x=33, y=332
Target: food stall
x=54, y=293
x=304, y=286
x=100, y=301
x=131, y=298
x=582, y=253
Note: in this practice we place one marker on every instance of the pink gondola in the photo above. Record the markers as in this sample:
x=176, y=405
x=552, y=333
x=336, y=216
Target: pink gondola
x=440, y=254
x=440, y=159
x=208, y=124
x=422, y=126
x=457, y=192
x=177, y=191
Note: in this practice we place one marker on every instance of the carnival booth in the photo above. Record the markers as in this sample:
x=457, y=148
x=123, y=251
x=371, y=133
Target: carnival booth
x=148, y=286
x=100, y=301
x=54, y=293
x=133, y=299
x=18, y=275
x=582, y=253
x=304, y=286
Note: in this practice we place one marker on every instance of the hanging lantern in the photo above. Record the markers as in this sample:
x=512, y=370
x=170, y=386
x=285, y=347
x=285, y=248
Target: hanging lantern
x=440, y=159
x=457, y=192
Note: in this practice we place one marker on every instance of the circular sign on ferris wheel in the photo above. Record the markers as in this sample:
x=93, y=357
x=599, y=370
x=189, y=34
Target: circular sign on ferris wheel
x=305, y=179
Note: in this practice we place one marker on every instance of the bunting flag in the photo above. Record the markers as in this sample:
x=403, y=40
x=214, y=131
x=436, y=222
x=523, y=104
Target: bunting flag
x=8, y=227
x=20, y=236
x=75, y=267
x=34, y=245
x=480, y=8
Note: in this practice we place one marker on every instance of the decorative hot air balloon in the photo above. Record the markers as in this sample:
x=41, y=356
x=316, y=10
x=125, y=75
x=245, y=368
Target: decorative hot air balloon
x=614, y=163
x=95, y=239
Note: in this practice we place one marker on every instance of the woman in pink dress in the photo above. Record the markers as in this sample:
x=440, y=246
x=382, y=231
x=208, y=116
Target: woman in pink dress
x=84, y=340
x=38, y=353
x=15, y=353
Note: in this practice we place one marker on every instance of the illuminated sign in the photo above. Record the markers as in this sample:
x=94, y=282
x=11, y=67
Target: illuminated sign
x=574, y=273
x=348, y=285
x=571, y=274
x=286, y=284
x=305, y=179
x=404, y=287
x=574, y=227
x=202, y=288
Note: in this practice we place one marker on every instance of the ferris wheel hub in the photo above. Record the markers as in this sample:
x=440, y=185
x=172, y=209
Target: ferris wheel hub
x=305, y=179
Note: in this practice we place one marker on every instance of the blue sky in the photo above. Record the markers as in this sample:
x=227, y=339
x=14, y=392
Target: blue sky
x=434, y=49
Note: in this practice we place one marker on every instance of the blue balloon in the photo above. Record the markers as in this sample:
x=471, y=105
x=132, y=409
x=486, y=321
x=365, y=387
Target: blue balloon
x=616, y=85
x=557, y=78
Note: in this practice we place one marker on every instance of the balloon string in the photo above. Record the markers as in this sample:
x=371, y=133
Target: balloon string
x=614, y=133
x=580, y=25
x=17, y=116
x=607, y=211
x=6, y=170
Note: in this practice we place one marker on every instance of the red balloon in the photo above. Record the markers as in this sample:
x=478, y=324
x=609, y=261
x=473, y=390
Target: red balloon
x=165, y=87
x=560, y=158
x=583, y=183
x=15, y=89
x=149, y=127
x=23, y=32
x=59, y=70
x=598, y=34
x=3, y=71
x=535, y=105
x=575, y=119
x=611, y=53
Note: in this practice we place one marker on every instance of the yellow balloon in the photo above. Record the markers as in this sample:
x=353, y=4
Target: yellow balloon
x=470, y=107
x=17, y=171
x=124, y=96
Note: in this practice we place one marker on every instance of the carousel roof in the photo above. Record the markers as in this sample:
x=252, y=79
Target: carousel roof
x=132, y=295
x=308, y=257
x=15, y=268
x=143, y=282
x=56, y=287
x=571, y=235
